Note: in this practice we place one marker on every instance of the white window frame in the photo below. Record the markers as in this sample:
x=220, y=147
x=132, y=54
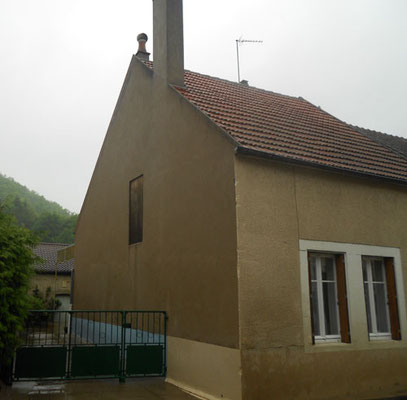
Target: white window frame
x=355, y=295
x=323, y=337
x=374, y=335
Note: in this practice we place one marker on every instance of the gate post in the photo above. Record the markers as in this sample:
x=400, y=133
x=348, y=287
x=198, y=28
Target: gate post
x=6, y=371
x=165, y=342
x=122, y=377
x=69, y=365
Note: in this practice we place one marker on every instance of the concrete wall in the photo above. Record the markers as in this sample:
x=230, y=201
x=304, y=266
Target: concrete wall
x=186, y=263
x=277, y=205
x=218, y=375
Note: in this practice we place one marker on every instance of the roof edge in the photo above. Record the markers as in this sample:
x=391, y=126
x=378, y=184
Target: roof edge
x=222, y=131
x=55, y=244
x=133, y=61
x=58, y=273
x=244, y=151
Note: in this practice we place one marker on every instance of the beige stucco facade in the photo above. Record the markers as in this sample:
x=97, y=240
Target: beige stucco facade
x=279, y=208
x=224, y=238
x=221, y=253
x=60, y=285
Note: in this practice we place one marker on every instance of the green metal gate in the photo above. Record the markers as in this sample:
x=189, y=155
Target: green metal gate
x=92, y=344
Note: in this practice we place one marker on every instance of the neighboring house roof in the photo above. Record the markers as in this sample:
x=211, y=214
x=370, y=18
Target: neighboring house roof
x=48, y=252
x=395, y=143
x=289, y=128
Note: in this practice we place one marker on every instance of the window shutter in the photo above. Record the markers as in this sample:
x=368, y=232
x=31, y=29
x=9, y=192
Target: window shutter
x=342, y=298
x=136, y=210
x=392, y=298
x=310, y=299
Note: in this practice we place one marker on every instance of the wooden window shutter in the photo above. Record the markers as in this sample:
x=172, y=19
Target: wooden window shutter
x=392, y=298
x=342, y=298
x=136, y=210
x=310, y=298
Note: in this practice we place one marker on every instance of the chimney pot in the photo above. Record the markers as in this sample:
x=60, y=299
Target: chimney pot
x=142, y=53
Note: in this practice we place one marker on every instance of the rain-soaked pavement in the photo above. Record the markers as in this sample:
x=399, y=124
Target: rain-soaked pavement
x=134, y=389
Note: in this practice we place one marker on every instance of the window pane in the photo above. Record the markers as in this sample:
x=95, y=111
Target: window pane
x=381, y=307
x=364, y=270
x=312, y=264
x=330, y=308
x=377, y=271
x=327, y=269
x=367, y=302
x=315, y=315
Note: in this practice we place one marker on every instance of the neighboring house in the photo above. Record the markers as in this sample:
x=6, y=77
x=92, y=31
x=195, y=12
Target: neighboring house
x=272, y=233
x=55, y=272
x=395, y=143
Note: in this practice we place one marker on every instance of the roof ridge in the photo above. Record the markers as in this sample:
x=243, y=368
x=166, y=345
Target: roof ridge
x=150, y=64
x=244, y=87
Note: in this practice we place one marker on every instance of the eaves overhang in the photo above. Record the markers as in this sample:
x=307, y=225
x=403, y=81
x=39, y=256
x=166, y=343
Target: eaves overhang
x=245, y=151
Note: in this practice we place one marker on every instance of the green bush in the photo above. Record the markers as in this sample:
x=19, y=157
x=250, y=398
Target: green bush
x=16, y=260
x=44, y=301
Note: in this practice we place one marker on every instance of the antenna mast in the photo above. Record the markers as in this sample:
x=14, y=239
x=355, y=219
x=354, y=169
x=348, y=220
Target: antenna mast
x=240, y=41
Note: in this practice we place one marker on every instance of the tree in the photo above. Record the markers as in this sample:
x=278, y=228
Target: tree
x=23, y=212
x=55, y=228
x=16, y=260
x=47, y=219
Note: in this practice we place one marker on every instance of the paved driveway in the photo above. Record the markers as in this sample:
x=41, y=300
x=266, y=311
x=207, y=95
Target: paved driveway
x=134, y=389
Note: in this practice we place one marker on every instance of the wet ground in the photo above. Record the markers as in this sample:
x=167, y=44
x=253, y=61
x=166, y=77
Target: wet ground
x=134, y=389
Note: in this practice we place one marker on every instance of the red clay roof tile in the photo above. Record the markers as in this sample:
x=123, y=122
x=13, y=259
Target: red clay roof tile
x=289, y=127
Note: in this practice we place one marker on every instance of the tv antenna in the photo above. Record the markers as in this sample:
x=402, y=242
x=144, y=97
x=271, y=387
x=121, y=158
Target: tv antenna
x=239, y=42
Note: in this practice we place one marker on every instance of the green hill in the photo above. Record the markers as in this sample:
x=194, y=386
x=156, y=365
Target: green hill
x=47, y=219
x=10, y=188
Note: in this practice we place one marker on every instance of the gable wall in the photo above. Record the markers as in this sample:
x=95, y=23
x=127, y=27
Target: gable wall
x=277, y=205
x=186, y=264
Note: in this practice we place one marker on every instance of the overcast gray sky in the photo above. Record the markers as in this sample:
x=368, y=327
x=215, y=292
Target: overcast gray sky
x=63, y=63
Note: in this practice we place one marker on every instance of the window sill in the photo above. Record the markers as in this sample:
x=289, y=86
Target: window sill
x=366, y=345
x=324, y=346
x=374, y=338
x=327, y=340
x=134, y=245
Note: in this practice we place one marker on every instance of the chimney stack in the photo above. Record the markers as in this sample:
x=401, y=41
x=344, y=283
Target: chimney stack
x=168, y=41
x=142, y=53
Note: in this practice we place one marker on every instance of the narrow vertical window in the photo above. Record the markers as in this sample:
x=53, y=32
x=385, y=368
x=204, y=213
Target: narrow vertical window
x=136, y=210
x=328, y=298
x=380, y=298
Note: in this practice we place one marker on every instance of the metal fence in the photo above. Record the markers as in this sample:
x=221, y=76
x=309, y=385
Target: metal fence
x=92, y=344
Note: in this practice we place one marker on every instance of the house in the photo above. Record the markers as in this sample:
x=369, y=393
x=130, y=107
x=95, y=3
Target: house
x=55, y=272
x=270, y=231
